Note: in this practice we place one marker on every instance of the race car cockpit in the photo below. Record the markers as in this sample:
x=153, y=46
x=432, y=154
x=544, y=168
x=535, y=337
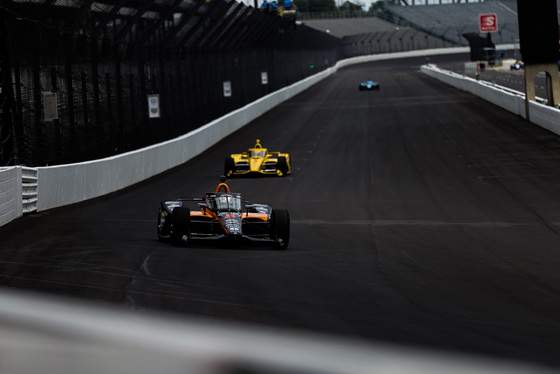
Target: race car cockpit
x=257, y=153
x=223, y=201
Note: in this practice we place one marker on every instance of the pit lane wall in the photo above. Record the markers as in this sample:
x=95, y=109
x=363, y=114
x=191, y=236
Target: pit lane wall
x=511, y=100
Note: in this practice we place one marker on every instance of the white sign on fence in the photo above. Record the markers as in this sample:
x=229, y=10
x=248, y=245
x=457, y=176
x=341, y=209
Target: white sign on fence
x=264, y=77
x=227, y=88
x=50, y=101
x=153, y=106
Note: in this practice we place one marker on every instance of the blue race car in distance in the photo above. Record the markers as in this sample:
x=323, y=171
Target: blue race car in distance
x=369, y=86
x=517, y=65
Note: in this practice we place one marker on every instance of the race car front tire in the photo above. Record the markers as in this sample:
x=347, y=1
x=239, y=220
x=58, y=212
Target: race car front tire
x=162, y=230
x=282, y=165
x=229, y=166
x=181, y=221
x=280, y=228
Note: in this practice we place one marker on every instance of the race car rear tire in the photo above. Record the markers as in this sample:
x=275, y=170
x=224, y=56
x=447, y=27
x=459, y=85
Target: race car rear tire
x=181, y=221
x=280, y=228
x=229, y=165
x=282, y=165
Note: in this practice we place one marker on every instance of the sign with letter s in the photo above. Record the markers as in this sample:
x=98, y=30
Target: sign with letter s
x=488, y=22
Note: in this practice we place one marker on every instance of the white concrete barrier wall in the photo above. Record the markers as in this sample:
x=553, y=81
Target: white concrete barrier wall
x=544, y=116
x=68, y=184
x=10, y=194
x=507, y=100
x=514, y=101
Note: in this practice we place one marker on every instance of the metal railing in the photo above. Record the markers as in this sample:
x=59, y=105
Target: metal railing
x=29, y=185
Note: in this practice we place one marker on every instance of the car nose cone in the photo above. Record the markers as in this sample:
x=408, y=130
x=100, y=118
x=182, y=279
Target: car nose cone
x=255, y=164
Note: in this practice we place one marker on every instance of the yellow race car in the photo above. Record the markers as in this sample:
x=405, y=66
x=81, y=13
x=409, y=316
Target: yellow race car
x=258, y=160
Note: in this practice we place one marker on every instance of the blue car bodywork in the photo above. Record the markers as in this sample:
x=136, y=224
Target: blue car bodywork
x=369, y=85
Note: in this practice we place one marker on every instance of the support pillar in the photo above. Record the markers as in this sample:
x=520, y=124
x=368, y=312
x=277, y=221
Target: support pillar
x=553, y=82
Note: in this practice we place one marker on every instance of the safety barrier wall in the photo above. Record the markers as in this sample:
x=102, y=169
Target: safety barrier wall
x=511, y=101
x=545, y=116
x=72, y=183
x=514, y=101
x=10, y=194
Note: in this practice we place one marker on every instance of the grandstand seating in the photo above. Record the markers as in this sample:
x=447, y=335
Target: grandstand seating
x=369, y=35
x=450, y=21
x=342, y=27
x=401, y=39
x=440, y=25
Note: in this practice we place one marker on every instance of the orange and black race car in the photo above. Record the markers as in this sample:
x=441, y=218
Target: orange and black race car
x=221, y=217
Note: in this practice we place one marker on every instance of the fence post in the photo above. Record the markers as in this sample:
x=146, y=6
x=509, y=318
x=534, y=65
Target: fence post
x=86, y=114
x=19, y=150
x=70, y=93
x=120, y=103
x=7, y=156
x=58, y=131
x=111, y=131
x=37, y=155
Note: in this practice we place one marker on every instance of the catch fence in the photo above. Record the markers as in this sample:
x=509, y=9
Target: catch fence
x=100, y=62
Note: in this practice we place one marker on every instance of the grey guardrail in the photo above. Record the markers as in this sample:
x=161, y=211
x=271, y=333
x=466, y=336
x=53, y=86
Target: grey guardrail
x=514, y=101
x=72, y=183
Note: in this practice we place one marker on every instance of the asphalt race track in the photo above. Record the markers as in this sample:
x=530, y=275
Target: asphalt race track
x=421, y=215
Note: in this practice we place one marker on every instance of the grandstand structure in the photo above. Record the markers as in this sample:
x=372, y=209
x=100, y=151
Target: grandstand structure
x=451, y=21
x=341, y=27
x=370, y=35
x=396, y=40
x=408, y=25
